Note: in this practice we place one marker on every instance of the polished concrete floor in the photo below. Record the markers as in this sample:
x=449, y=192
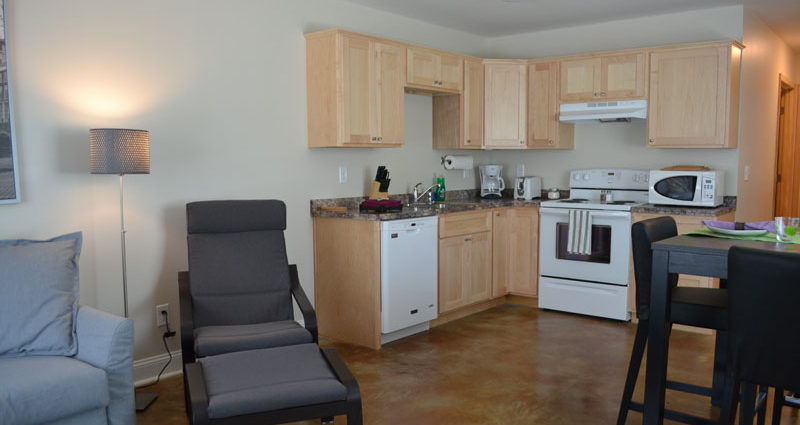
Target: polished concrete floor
x=513, y=364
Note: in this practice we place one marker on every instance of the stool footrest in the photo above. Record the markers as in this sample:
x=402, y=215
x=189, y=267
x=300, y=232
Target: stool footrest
x=676, y=416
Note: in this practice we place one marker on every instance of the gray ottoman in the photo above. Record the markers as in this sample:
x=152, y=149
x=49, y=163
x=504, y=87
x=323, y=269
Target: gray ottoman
x=271, y=386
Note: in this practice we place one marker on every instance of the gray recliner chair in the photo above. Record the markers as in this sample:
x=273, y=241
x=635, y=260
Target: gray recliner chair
x=237, y=294
x=246, y=360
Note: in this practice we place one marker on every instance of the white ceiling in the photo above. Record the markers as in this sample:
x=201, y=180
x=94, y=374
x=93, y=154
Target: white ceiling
x=497, y=18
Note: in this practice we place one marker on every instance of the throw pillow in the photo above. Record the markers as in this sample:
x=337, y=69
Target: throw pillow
x=39, y=296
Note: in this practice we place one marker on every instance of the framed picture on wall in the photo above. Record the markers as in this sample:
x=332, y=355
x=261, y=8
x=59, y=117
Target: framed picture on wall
x=9, y=174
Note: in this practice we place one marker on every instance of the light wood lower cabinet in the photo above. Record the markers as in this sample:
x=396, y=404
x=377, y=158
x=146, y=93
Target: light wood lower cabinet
x=515, y=253
x=465, y=259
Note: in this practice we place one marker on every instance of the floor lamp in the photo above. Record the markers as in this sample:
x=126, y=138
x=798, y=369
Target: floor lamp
x=122, y=151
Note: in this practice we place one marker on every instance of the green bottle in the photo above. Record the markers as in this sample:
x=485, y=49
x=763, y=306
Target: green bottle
x=440, y=191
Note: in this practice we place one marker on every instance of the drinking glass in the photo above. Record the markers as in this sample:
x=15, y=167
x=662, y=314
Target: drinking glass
x=786, y=227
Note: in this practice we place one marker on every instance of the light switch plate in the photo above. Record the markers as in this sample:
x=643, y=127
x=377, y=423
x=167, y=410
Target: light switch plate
x=342, y=174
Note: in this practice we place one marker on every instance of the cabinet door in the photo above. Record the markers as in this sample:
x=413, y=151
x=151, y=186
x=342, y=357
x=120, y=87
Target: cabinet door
x=623, y=76
x=500, y=252
x=472, y=99
x=423, y=67
x=580, y=79
x=478, y=267
x=358, y=80
x=452, y=257
x=523, y=241
x=451, y=72
x=688, y=97
x=505, y=105
x=388, y=111
x=543, y=105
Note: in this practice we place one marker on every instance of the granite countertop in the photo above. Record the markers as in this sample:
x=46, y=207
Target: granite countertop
x=728, y=205
x=468, y=200
x=457, y=201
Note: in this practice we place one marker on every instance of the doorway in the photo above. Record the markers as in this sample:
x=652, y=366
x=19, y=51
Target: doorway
x=787, y=174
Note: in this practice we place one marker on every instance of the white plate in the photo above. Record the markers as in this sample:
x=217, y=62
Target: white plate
x=756, y=232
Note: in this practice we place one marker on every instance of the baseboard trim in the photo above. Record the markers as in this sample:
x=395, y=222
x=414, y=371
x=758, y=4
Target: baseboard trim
x=146, y=370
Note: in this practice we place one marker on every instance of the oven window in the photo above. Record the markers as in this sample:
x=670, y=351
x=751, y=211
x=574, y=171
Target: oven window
x=601, y=245
x=680, y=188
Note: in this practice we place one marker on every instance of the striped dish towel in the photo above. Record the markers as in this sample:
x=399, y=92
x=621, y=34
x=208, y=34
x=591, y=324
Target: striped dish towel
x=579, y=235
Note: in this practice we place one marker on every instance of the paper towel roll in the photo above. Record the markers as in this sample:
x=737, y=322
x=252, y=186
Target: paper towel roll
x=454, y=162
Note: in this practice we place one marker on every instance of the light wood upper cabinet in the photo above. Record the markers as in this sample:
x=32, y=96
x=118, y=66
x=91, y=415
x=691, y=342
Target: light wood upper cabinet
x=604, y=77
x=545, y=131
x=472, y=99
x=389, y=117
x=354, y=90
x=505, y=104
x=458, y=119
x=694, y=96
x=435, y=70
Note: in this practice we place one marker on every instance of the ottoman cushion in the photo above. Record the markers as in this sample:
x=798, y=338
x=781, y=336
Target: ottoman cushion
x=268, y=379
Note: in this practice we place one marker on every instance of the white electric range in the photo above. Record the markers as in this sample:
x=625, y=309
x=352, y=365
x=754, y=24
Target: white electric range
x=594, y=283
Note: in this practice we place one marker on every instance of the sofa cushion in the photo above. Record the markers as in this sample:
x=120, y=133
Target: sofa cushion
x=39, y=296
x=213, y=340
x=39, y=389
x=269, y=379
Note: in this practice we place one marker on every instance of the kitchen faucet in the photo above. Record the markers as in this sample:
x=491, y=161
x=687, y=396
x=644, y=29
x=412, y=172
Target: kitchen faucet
x=417, y=195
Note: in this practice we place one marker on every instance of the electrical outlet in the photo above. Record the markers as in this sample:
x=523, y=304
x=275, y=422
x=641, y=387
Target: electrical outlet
x=342, y=174
x=161, y=318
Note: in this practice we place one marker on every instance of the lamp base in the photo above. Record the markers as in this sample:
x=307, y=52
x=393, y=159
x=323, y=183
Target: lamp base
x=144, y=400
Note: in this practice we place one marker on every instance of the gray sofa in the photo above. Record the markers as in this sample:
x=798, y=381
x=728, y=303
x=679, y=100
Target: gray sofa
x=95, y=386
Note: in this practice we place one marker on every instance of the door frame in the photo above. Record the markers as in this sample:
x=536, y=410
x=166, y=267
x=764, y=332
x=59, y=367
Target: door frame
x=786, y=88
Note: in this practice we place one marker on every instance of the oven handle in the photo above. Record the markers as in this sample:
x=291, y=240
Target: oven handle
x=595, y=213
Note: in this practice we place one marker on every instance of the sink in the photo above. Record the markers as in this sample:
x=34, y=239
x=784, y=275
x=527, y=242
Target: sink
x=437, y=206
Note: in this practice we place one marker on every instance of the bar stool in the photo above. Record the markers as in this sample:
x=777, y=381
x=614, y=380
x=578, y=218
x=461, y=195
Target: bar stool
x=701, y=307
x=764, y=291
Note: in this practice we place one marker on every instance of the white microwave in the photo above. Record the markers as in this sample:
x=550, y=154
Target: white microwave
x=686, y=188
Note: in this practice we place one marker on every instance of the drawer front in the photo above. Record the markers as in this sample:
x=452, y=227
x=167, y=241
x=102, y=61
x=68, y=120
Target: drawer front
x=463, y=223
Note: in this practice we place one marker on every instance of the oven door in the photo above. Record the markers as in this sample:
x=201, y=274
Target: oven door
x=609, y=261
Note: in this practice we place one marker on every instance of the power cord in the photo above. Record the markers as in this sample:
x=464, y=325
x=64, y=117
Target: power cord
x=168, y=334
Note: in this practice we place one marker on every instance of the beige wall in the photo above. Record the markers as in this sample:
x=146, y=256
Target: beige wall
x=221, y=87
x=764, y=57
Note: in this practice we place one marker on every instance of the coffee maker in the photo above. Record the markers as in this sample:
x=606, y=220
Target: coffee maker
x=491, y=181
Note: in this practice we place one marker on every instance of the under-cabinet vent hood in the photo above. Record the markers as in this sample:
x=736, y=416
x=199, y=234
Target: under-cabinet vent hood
x=614, y=111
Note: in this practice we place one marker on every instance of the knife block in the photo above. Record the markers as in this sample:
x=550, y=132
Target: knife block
x=375, y=192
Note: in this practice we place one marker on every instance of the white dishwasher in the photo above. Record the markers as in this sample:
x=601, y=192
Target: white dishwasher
x=409, y=273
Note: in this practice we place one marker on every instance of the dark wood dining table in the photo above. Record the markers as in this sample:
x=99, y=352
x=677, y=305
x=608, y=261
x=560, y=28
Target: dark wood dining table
x=695, y=255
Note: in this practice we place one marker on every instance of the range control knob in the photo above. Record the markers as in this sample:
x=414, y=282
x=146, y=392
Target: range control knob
x=586, y=177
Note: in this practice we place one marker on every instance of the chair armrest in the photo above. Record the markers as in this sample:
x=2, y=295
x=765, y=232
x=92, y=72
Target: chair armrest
x=343, y=374
x=187, y=323
x=309, y=316
x=197, y=395
x=105, y=341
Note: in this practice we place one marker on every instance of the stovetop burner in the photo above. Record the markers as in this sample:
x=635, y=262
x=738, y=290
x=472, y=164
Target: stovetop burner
x=574, y=201
x=621, y=202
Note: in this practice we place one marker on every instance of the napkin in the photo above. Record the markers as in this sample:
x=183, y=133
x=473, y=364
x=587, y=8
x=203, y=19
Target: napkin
x=754, y=225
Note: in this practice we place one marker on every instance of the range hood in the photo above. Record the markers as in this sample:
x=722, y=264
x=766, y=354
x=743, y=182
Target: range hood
x=592, y=112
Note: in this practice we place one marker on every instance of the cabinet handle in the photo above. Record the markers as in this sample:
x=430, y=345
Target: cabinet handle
x=468, y=141
x=467, y=239
x=374, y=139
x=595, y=94
x=550, y=142
x=602, y=93
x=380, y=139
x=652, y=141
x=497, y=214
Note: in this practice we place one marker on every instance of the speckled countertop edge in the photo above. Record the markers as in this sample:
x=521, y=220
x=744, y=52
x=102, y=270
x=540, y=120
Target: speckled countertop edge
x=728, y=205
x=468, y=200
x=457, y=201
